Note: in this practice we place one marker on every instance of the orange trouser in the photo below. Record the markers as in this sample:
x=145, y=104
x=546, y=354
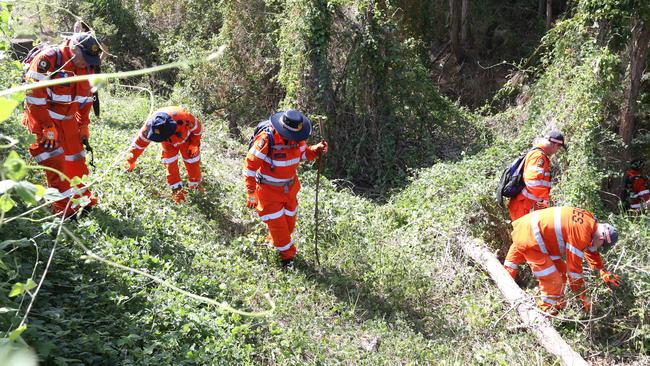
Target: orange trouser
x=280, y=218
x=520, y=206
x=192, y=165
x=550, y=273
x=69, y=158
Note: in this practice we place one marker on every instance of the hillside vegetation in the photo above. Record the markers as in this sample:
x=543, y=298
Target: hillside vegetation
x=410, y=174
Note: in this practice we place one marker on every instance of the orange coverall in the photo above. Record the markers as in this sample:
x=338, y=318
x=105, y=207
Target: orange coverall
x=536, y=193
x=186, y=140
x=276, y=187
x=639, y=192
x=67, y=108
x=545, y=239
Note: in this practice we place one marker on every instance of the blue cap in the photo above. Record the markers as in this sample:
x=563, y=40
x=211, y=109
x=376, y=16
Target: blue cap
x=89, y=47
x=556, y=137
x=161, y=126
x=292, y=125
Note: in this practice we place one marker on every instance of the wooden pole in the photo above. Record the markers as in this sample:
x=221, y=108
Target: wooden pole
x=320, y=167
x=535, y=321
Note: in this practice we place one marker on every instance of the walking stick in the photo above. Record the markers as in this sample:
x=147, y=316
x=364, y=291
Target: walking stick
x=320, y=166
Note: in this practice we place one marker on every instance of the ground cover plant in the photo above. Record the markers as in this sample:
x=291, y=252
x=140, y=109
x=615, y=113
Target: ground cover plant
x=392, y=286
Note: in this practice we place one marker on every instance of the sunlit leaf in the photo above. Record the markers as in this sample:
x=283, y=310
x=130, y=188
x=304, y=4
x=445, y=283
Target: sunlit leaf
x=17, y=289
x=6, y=203
x=30, y=284
x=7, y=106
x=51, y=194
x=17, y=332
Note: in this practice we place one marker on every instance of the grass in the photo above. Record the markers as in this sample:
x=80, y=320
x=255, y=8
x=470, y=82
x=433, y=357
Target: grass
x=387, y=292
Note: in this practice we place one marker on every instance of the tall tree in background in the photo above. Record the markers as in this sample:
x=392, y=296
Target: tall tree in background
x=638, y=51
x=464, y=27
x=455, y=27
x=549, y=13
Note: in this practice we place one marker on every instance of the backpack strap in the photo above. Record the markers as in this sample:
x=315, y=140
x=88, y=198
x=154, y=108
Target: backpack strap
x=59, y=58
x=270, y=131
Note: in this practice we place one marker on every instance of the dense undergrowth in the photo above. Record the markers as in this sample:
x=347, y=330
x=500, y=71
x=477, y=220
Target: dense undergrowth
x=392, y=287
x=379, y=296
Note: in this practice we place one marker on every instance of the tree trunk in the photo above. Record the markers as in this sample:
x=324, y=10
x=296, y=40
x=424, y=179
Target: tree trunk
x=638, y=48
x=549, y=14
x=464, y=27
x=537, y=323
x=455, y=13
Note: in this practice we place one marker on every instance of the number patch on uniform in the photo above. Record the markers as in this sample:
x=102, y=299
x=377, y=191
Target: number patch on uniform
x=279, y=156
x=578, y=216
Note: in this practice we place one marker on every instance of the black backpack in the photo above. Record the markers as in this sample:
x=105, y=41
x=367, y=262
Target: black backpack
x=512, y=178
x=264, y=126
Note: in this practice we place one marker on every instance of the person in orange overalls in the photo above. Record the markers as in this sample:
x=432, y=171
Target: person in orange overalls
x=59, y=115
x=546, y=238
x=270, y=176
x=537, y=177
x=637, y=186
x=178, y=131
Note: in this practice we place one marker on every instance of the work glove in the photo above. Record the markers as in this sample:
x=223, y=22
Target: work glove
x=610, y=278
x=50, y=137
x=586, y=302
x=178, y=195
x=320, y=148
x=84, y=134
x=251, y=200
x=129, y=164
x=194, y=150
x=540, y=205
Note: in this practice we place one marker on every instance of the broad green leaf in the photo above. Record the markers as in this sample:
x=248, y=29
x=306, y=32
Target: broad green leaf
x=6, y=203
x=17, y=332
x=19, y=243
x=30, y=284
x=17, y=289
x=26, y=191
x=75, y=181
x=15, y=167
x=7, y=106
x=4, y=310
x=51, y=194
x=40, y=191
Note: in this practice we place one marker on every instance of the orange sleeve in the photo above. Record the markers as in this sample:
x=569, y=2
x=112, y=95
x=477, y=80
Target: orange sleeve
x=255, y=157
x=537, y=175
x=140, y=142
x=37, y=100
x=197, y=128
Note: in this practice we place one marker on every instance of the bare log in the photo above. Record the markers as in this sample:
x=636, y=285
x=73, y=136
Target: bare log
x=535, y=321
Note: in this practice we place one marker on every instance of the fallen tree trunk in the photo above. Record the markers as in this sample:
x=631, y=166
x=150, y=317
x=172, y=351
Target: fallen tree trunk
x=525, y=305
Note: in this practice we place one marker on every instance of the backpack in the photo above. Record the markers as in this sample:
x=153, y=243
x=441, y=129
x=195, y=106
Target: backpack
x=512, y=178
x=264, y=126
x=37, y=50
